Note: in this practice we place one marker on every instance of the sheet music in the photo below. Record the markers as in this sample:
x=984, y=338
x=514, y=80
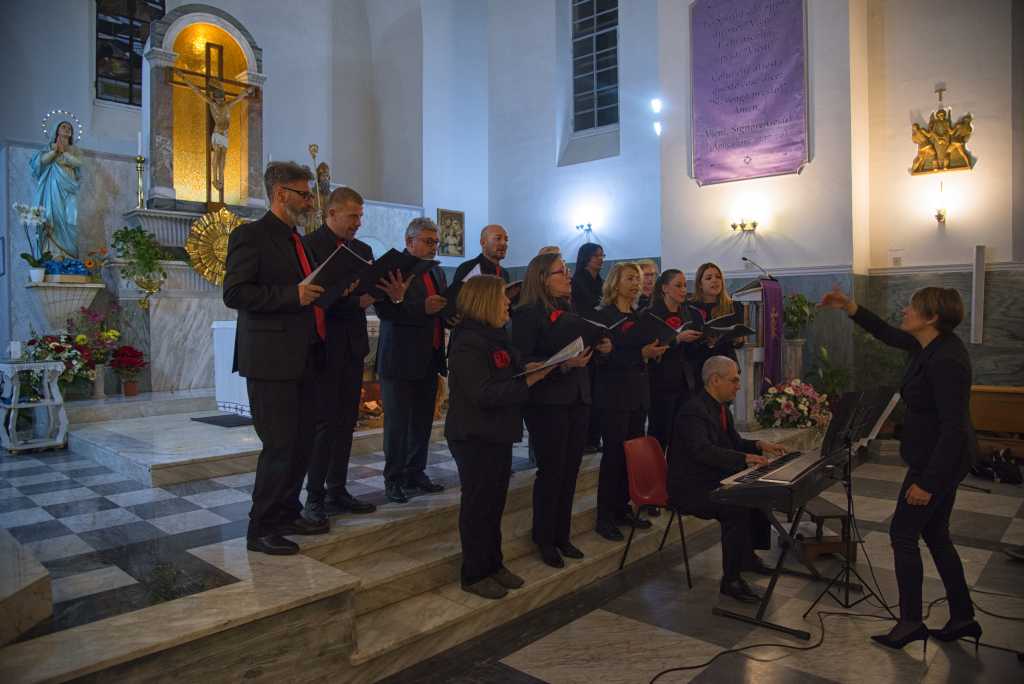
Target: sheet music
x=569, y=351
x=884, y=417
x=473, y=273
x=308, y=279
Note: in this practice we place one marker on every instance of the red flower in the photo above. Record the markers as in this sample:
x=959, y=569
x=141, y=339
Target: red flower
x=555, y=314
x=674, y=321
x=501, y=359
x=627, y=326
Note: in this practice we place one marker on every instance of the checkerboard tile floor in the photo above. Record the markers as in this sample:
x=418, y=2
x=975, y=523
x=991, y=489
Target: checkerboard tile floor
x=114, y=545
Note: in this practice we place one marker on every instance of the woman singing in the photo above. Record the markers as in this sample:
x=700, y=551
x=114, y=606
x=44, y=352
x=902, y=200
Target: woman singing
x=938, y=446
x=559, y=408
x=712, y=301
x=484, y=420
x=622, y=394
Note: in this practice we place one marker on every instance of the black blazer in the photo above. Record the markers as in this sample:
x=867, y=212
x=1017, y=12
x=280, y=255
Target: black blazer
x=486, y=267
x=586, y=291
x=346, y=320
x=405, y=349
x=620, y=383
x=485, y=399
x=673, y=375
x=701, y=454
x=938, y=440
x=536, y=337
x=274, y=332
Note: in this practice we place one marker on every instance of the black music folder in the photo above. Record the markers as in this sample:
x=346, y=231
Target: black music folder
x=724, y=327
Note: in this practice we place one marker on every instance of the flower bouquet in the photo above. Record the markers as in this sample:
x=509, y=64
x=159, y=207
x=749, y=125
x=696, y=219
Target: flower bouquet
x=794, y=404
x=78, y=365
x=93, y=330
x=95, y=261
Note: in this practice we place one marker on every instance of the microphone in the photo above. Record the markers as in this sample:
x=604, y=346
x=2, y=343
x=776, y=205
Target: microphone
x=767, y=275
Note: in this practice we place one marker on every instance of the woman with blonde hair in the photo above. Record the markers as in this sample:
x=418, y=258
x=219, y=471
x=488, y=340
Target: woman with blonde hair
x=622, y=394
x=486, y=396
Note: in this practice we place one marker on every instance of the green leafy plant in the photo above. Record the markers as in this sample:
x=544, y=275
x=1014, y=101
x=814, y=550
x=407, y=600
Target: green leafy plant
x=797, y=312
x=34, y=262
x=141, y=253
x=828, y=377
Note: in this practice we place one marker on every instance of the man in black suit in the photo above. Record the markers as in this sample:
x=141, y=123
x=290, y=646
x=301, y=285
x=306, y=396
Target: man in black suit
x=493, y=248
x=410, y=356
x=347, y=346
x=705, y=448
x=279, y=350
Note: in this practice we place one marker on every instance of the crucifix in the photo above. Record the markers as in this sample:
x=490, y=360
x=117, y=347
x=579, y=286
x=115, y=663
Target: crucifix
x=220, y=102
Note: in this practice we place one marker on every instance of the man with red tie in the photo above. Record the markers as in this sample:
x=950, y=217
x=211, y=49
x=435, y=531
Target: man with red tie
x=279, y=350
x=347, y=346
x=706, y=448
x=410, y=356
x=493, y=248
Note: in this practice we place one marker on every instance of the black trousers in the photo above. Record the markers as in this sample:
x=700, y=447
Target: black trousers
x=284, y=415
x=484, y=471
x=661, y=416
x=612, y=481
x=931, y=523
x=558, y=435
x=743, y=530
x=594, y=423
x=338, y=411
x=408, y=419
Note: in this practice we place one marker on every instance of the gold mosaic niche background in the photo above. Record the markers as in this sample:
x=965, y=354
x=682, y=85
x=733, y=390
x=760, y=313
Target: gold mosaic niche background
x=190, y=114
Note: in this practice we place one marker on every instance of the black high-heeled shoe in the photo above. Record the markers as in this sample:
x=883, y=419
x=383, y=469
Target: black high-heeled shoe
x=917, y=634
x=966, y=630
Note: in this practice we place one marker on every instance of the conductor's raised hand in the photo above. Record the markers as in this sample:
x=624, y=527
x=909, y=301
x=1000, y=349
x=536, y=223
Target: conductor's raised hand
x=837, y=299
x=433, y=304
x=309, y=293
x=653, y=350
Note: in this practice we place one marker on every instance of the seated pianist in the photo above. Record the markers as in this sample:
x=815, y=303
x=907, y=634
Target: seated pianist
x=705, y=448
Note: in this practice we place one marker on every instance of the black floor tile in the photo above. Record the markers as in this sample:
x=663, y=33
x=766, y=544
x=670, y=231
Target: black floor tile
x=120, y=535
x=16, y=503
x=196, y=487
x=158, y=509
x=70, y=508
x=358, y=472
x=58, y=486
x=233, y=511
x=88, y=471
x=7, y=474
x=38, y=531
x=118, y=487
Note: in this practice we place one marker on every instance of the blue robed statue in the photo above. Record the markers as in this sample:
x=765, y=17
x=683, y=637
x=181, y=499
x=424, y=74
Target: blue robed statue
x=56, y=172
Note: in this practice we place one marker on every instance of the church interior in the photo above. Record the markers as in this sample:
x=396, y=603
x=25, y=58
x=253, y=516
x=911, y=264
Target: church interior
x=802, y=147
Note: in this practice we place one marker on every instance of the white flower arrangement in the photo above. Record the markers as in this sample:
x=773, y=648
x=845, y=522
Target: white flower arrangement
x=30, y=215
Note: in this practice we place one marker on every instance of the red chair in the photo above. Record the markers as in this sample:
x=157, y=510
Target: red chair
x=648, y=477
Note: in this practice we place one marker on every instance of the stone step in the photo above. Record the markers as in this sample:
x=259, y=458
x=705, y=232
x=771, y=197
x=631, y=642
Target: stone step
x=140, y=406
x=26, y=593
x=400, y=572
x=396, y=636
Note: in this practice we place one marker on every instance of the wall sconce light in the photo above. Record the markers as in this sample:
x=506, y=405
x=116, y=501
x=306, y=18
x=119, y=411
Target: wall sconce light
x=657, y=128
x=940, y=216
x=940, y=212
x=744, y=226
x=656, y=106
x=586, y=228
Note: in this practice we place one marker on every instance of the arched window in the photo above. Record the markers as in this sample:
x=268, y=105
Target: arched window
x=595, y=63
x=122, y=27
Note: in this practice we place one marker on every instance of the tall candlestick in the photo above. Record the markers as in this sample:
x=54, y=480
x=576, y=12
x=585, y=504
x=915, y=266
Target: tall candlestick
x=139, y=163
x=138, y=148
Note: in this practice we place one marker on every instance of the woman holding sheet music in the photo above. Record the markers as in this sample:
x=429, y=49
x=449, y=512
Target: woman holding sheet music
x=559, y=408
x=622, y=394
x=672, y=378
x=486, y=394
x=711, y=301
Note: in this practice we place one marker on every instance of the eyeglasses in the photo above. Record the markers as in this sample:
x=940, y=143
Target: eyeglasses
x=430, y=242
x=304, y=194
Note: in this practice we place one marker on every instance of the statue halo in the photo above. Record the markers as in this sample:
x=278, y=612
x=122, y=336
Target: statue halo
x=54, y=117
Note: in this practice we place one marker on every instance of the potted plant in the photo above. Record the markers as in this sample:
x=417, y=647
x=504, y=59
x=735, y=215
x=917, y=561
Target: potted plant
x=79, y=371
x=829, y=378
x=93, y=330
x=141, y=254
x=128, y=362
x=37, y=265
x=33, y=220
x=793, y=404
x=797, y=312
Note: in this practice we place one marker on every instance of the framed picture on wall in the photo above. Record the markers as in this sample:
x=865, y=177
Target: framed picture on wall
x=452, y=228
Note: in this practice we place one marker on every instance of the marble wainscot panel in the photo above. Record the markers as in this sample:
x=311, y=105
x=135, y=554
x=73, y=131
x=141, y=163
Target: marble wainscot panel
x=181, y=346
x=26, y=597
x=139, y=406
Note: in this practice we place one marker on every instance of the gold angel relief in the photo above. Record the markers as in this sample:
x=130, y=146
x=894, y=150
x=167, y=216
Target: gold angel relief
x=942, y=146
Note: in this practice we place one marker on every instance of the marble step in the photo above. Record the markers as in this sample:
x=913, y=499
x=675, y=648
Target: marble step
x=404, y=571
x=353, y=536
x=399, y=635
x=117, y=407
x=26, y=594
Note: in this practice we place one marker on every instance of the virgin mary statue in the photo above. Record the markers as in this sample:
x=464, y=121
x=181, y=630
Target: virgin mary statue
x=56, y=170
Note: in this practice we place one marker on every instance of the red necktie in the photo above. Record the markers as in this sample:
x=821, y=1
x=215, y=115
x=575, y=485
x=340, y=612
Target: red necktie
x=725, y=421
x=497, y=270
x=428, y=282
x=318, y=312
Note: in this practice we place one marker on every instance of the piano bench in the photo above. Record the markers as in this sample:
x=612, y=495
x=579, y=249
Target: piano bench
x=819, y=510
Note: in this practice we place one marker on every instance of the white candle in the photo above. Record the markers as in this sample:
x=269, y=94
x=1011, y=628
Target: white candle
x=270, y=158
x=138, y=152
x=15, y=350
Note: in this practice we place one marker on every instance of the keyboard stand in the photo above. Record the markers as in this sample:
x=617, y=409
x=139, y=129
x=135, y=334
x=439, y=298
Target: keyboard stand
x=789, y=543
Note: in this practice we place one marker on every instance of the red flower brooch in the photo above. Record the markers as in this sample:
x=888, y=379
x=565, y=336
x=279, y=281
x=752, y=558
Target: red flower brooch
x=627, y=326
x=555, y=315
x=675, y=322
x=501, y=359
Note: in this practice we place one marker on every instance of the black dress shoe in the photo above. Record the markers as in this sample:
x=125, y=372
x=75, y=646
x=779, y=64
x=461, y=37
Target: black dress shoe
x=608, y=530
x=953, y=631
x=739, y=590
x=756, y=565
x=273, y=544
x=395, y=493
x=315, y=510
x=569, y=551
x=550, y=555
x=630, y=519
x=902, y=634
x=303, y=526
x=423, y=483
x=346, y=503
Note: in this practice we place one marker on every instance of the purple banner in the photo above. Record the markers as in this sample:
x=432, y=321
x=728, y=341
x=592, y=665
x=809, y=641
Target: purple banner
x=771, y=324
x=749, y=94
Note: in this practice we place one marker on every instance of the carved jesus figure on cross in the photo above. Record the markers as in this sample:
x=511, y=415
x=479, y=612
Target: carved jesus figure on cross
x=220, y=111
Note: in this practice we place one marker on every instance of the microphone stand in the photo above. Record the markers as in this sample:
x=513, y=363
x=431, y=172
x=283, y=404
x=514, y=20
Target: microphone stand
x=759, y=267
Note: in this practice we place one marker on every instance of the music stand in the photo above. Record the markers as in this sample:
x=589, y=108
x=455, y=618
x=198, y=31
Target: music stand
x=872, y=410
